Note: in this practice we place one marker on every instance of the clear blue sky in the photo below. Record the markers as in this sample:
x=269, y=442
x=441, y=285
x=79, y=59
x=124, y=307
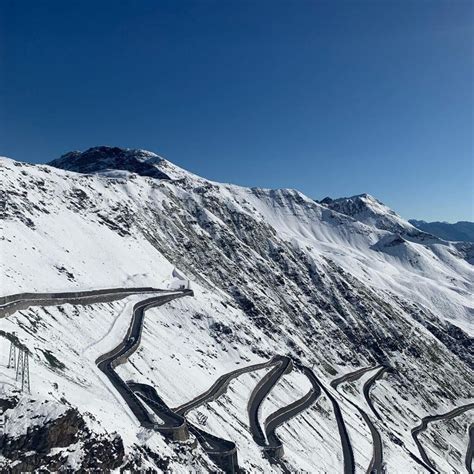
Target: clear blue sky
x=332, y=98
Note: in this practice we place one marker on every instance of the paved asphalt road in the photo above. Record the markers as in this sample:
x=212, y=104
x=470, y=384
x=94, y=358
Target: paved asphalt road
x=260, y=392
x=149, y=395
x=11, y=303
x=219, y=387
x=376, y=462
x=368, y=385
x=348, y=454
x=470, y=450
x=415, y=432
x=137, y=394
x=128, y=346
x=107, y=362
x=171, y=418
x=284, y=414
x=221, y=451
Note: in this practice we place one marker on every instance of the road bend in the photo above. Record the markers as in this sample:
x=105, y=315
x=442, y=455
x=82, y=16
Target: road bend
x=274, y=449
x=107, y=362
x=222, y=452
x=347, y=452
x=366, y=391
x=376, y=462
x=368, y=386
x=172, y=423
x=120, y=354
x=415, y=432
x=219, y=387
x=261, y=391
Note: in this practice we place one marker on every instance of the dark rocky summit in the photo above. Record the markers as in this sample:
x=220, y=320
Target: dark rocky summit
x=104, y=158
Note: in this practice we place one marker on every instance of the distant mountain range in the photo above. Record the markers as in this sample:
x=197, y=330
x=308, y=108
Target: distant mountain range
x=462, y=231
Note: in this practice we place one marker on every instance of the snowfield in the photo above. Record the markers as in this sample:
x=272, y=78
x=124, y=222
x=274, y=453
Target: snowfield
x=336, y=285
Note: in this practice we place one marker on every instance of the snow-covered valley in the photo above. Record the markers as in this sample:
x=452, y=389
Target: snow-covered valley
x=336, y=286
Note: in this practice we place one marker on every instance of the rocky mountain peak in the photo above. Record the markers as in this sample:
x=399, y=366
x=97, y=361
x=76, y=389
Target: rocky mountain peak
x=369, y=210
x=104, y=158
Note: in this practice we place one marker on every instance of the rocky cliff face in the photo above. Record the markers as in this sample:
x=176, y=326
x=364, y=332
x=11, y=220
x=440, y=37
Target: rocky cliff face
x=55, y=442
x=327, y=283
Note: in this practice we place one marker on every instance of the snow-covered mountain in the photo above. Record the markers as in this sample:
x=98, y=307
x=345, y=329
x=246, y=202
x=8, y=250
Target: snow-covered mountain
x=369, y=210
x=111, y=158
x=336, y=285
x=462, y=231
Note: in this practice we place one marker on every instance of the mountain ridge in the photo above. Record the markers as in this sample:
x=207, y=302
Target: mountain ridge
x=104, y=158
x=273, y=272
x=462, y=231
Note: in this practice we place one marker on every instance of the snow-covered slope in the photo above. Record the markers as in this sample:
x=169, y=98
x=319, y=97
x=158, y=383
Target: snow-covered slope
x=369, y=210
x=336, y=285
x=462, y=231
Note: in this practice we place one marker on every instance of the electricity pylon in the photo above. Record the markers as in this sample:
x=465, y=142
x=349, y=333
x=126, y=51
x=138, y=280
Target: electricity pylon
x=12, y=356
x=23, y=369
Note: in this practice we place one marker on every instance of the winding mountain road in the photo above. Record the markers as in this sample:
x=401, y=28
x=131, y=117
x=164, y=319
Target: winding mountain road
x=275, y=447
x=11, y=303
x=221, y=451
x=368, y=386
x=376, y=462
x=173, y=422
x=415, y=432
x=267, y=382
x=138, y=396
x=219, y=387
x=120, y=354
x=347, y=453
x=107, y=362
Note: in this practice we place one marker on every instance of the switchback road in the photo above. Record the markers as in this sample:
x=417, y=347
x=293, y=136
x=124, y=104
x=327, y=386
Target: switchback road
x=260, y=392
x=376, y=462
x=173, y=425
x=221, y=451
x=219, y=387
x=275, y=447
x=127, y=347
x=415, y=432
x=368, y=385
